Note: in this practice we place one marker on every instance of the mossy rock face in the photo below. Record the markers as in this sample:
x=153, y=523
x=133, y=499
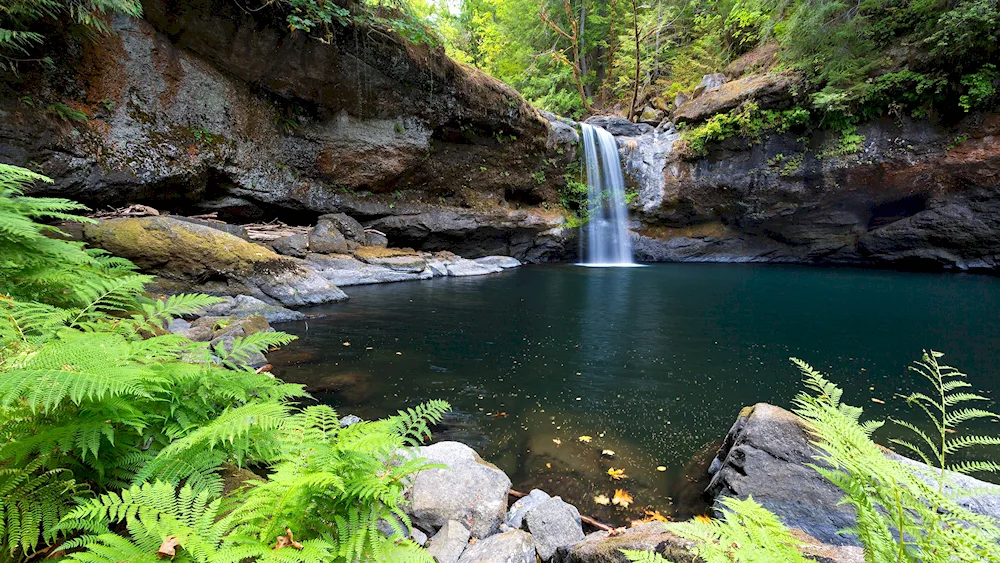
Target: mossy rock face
x=190, y=257
x=174, y=247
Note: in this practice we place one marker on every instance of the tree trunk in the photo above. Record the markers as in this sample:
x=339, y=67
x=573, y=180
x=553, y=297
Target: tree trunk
x=638, y=60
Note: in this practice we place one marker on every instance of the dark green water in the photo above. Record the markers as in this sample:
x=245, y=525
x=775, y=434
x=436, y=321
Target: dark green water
x=653, y=363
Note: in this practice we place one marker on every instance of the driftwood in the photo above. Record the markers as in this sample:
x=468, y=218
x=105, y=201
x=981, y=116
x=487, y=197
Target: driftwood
x=585, y=519
x=273, y=230
x=135, y=210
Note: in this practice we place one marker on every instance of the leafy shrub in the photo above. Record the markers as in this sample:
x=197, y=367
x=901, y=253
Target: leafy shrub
x=748, y=121
x=982, y=87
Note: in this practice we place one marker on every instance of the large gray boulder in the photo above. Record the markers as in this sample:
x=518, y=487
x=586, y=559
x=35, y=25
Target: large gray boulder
x=326, y=238
x=554, y=524
x=447, y=545
x=247, y=305
x=347, y=225
x=520, y=508
x=292, y=245
x=767, y=454
x=189, y=257
x=514, y=546
x=468, y=490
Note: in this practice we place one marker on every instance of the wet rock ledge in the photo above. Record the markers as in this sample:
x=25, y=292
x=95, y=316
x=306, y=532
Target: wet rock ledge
x=461, y=513
x=191, y=255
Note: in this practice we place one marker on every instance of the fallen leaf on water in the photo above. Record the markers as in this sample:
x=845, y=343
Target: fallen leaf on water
x=168, y=548
x=287, y=541
x=399, y=353
x=556, y=441
x=702, y=519
x=347, y=343
x=879, y=401
x=622, y=498
x=661, y=467
x=602, y=500
x=500, y=415
x=585, y=439
x=654, y=516
x=609, y=453
x=617, y=474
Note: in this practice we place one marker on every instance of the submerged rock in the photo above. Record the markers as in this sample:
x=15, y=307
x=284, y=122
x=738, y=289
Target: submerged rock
x=191, y=257
x=514, y=546
x=469, y=490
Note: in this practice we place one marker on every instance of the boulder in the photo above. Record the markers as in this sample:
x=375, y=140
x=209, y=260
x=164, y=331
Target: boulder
x=709, y=82
x=344, y=270
x=376, y=239
x=292, y=245
x=514, y=546
x=517, y=511
x=349, y=227
x=463, y=267
x=447, y=545
x=325, y=238
x=619, y=126
x=767, y=90
x=505, y=262
x=190, y=257
x=246, y=305
x=468, y=490
x=349, y=420
x=651, y=116
x=600, y=547
x=680, y=98
x=235, y=230
x=554, y=524
x=766, y=454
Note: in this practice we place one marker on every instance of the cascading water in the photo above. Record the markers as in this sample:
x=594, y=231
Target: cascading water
x=605, y=235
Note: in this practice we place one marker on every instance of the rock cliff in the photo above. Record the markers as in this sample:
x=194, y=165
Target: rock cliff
x=202, y=106
x=916, y=194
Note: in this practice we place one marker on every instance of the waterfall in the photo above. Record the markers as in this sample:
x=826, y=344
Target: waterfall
x=605, y=234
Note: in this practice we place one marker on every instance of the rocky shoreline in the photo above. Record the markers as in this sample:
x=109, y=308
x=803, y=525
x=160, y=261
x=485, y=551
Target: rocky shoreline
x=461, y=513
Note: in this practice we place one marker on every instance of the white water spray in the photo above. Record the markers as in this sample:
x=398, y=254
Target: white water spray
x=606, y=238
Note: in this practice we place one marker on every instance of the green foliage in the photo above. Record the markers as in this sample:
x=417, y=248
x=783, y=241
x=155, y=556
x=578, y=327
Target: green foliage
x=982, y=87
x=748, y=122
x=746, y=533
x=903, y=513
x=111, y=427
x=323, y=18
x=21, y=23
x=67, y=113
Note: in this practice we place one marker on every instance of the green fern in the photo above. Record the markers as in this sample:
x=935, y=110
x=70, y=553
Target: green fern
x=902, y=514
x=944, y=411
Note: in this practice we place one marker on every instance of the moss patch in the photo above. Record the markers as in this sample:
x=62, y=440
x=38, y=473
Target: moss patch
x=175, y=248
